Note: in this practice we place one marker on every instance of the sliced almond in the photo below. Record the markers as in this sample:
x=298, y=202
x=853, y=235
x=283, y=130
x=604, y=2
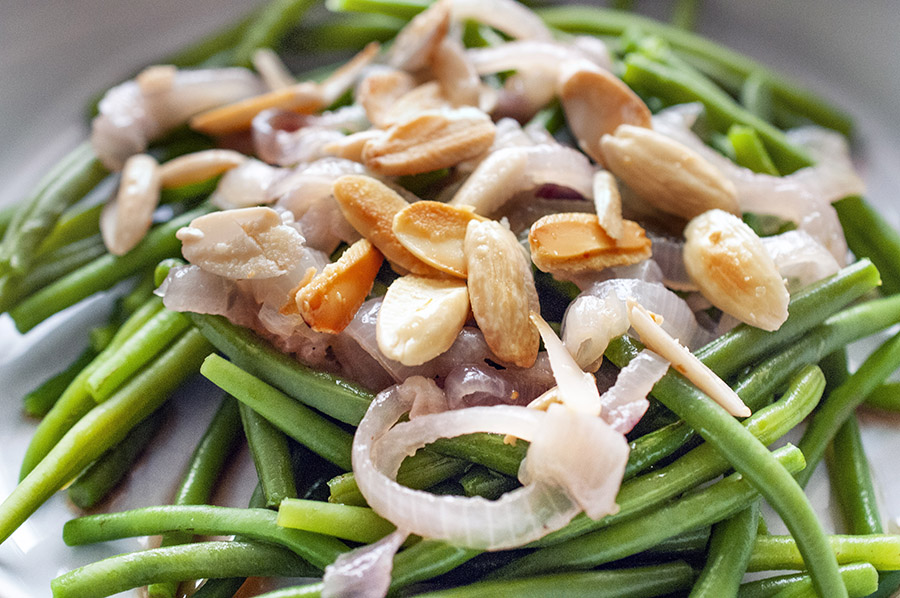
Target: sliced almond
x=345, y=76
x=501, y=291
x=574, y=242
x=608, y=203
x=427, y=96
x=455, y=73
x=370, y=206
x=197, y=167
x=128, y=216
x=303, y=98
x=420, y=318
x=158, y=78
x=596, y=102
x=730, y=265
x=242, y=244
x=429, y=141
x=666, y=174
x=413, y=46
x=334, y=295
x=654, y=336
x=379, y=91
x=350, y=147
x=272, y=69
x=435, y=233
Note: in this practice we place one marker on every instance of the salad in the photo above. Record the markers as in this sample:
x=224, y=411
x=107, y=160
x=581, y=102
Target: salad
x=505, y=297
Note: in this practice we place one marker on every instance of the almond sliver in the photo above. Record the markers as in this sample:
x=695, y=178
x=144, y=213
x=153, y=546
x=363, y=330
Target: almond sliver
x=435, y=233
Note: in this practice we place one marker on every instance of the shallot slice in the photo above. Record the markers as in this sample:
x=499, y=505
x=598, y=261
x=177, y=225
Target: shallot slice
x=625, y=402
x=364, y=572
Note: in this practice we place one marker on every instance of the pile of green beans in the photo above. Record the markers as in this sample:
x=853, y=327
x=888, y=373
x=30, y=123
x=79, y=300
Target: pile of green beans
x=688, y=522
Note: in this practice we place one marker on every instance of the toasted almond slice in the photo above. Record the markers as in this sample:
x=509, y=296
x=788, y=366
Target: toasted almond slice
x=574, y=242
x=429, y=141
x=370, y=206
x=420, y=318
x=304, y=98
x=730, y=265
x=455, y=73
x=608, y=203
x=271, y=69
x=379, y=91
x=158, y=78
x=417, y=41
x=342, y=79
x=127, y=218
x=242, y=244
x=501, y=291
x=350, y=147
x=659, y=341
x=427, y=96
x=435, y=233
x=199, y=166
x=596, y=102
x=334, y=295
x=666, y=174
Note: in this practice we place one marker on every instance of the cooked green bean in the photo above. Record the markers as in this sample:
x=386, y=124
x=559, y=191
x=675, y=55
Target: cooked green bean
x=271, y=456
x=687, y=545
x=356, y=524
x=885, y=397
x=6, y=215
x=481, y=481
x=697, y=509
x=300, y=423
x=729, y=551
x=268, y=28
x=176, y=563
x=851, y=482
x=870, y=235
x=102, y=427
x=74, y=224
x=40, y=400
x=749, y=150
x=772, y=553
x=861, y=579
x=103, y=475
x=351, y=32
x=402, y=9
x=56, y=264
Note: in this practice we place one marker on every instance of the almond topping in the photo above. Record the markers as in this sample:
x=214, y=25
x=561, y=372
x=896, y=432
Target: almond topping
x=608, y=203
x=198, y=167
x=435, y=233
x=378, y=92
x=127, y=217
x=304, y=98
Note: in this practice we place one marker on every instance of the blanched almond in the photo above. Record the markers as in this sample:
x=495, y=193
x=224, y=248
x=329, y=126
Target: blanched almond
x=666, y=174
x=197, y=167
x=730, y=265
x=429, y=141
x=608, y=203
x=127, y=217
x=304, y=98
x=379, y=91
x=596, y=102
x=435, y=233
x=334, y=295
x=241, y=244
x=574, y=242
x=501, y=291
x=420, y=318
x=370, y=206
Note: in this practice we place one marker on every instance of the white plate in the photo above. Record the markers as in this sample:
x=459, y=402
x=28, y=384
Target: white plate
x=54, y=55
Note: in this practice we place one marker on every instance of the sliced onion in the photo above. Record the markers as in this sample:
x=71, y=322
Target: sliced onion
x=287, y=138
x=428, y=397
x=477, y=385
x=800, y=259
x=625, y=402
x=508, y=16
x=668, y=254
x=364, y=572
x=577, y=389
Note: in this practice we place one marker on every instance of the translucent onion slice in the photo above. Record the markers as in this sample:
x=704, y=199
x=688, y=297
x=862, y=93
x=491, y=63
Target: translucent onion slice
x=508, y=16
x=625, y=402
x=800, y=259
x=364, y=572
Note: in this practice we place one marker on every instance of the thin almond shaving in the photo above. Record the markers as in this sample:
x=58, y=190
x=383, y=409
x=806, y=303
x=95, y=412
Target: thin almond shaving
x=456, y=74
x=427, y=96
x=350, y=147
x=420, y=318
x=418, y=40
x=379, y=91
x=596, y=102
x=430, y=140
x=574, y=242
x=608, y=204
x=334, y=295
x=502, y=292
x=127, y=217
x=198, y=167
x=303, y=98
x=271, y=69
x=435, y=233
x=659, y=341
x=370, y=206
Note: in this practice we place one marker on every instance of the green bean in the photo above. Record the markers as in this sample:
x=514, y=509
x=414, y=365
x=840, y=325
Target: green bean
x=300, y=423
x=102, y=273
x=697, y=509
x=636, y=582
x=103, y=475
x=66, y=183
x=885, y=397
x=481, y=481
x=258, y=524
x=6, y=216
x=749, y=150
x=703, y=53
x=750, y=457
x=40, y=400
x=870, y=235
x=756, y=96
x=729, y=551
x=861, y=579
x=401, y=9
x=703, y=463
x=485, y=449
x=136, y=351
x=203, y=471
x=771, y=553
x=175, y=563
x=357, y=524
x=224, y=587
x=102, y=427
x=689, y=544
x=650, y=448
x=844, y=400
x=851, y=482
x=209, y=46
x=74, y=224
x=332, y=395
x=271, y=456
x=76, y=401
x=56, y=264
x=684, y=14
x=351, y=32
x=268, y=28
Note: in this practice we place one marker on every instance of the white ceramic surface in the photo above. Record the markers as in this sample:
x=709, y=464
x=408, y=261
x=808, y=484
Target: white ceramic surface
x=54, y=55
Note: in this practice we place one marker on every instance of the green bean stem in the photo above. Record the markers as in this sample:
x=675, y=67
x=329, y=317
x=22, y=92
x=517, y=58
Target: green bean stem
x=357, y=524
x=861, y=579
x=729, y=551
x=102, y=427
x=271, y=456
x=772, y=553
